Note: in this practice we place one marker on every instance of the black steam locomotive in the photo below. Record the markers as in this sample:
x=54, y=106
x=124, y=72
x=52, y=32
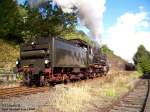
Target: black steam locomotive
x=53, y=60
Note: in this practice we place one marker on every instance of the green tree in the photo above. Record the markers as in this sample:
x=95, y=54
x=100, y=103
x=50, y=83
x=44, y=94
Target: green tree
x=10, y=21
x=142, y=59
x=47, y=20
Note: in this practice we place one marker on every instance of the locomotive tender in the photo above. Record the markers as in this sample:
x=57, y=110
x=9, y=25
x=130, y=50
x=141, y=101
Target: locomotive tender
x=52, y=60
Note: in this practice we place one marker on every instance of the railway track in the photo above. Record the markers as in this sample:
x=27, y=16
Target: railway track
x=16, y=91
x=23, y=90
x=138, y=100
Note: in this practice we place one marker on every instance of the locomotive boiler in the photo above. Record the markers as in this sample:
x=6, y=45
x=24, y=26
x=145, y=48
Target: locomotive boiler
x=50, y=60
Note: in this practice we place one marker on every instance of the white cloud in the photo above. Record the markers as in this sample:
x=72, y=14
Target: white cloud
x=128, y=33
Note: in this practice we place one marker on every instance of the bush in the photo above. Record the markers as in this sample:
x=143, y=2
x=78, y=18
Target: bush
x=142, y=59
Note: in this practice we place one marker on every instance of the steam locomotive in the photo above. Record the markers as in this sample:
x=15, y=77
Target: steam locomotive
x=53, y=60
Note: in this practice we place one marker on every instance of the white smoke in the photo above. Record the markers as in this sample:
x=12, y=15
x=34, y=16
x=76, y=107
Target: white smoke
x=90, y=13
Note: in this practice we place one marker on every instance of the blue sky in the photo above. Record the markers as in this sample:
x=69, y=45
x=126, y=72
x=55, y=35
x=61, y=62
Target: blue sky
x=126, y=25
x=20, y=1
x=115, y=8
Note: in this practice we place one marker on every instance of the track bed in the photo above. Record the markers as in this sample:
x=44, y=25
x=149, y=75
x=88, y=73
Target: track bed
x=136, y=101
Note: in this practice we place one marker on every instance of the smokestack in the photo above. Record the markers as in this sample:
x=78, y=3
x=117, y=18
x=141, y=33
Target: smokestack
x=90, y=13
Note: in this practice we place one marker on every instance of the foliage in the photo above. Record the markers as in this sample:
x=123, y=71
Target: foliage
x=21, y=22
x=47, y=20
x=10, y=21
x=9, y=53
x=76, y=35
x=142, y=59
x=106, y=50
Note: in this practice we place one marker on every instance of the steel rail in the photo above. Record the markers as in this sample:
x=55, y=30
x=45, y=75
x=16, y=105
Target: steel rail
x=146, y=98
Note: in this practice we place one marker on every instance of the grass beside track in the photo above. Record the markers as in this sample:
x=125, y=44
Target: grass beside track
x=93, y=95
x=9, y=53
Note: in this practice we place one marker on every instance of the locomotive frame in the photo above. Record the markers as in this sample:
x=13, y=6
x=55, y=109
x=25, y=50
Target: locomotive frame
x=54, y=60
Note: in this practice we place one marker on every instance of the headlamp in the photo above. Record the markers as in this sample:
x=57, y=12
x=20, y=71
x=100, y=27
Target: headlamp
x=46, y=61
x=32, y=43
x=17, y=62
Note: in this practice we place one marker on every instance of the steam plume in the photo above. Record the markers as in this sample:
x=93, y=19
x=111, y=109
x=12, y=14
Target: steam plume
x=90, y=13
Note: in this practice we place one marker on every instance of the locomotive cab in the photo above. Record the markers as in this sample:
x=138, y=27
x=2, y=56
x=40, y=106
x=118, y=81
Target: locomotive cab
x=99, y=61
